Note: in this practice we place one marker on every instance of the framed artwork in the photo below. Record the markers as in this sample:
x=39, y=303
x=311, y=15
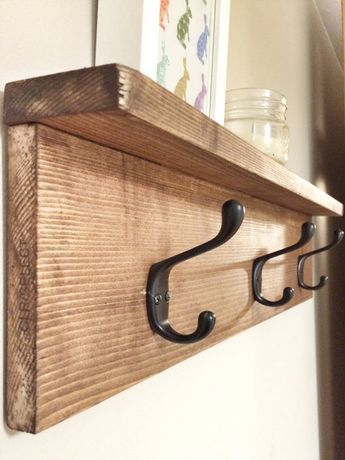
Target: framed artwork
x=181, y=44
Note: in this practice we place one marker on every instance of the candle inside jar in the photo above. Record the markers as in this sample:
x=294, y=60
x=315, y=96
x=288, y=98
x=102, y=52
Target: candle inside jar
x=258, y=117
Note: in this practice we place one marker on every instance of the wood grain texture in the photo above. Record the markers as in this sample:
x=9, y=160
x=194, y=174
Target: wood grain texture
x=21, y=278
x=97, y=220
x=120, y=108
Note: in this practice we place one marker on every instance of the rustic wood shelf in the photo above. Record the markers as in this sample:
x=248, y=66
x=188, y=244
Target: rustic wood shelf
x=120, y=108
x=109, y=173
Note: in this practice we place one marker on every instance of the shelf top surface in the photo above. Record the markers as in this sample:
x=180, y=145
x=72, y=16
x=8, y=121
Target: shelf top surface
x=121, y=108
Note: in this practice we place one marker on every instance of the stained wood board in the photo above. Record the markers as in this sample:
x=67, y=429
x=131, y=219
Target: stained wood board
x=119, y=107
x=85, y=223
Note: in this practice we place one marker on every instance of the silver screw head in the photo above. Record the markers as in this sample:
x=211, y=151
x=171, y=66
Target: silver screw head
x=157, y=299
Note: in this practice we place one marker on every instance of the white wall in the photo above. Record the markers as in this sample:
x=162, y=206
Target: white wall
x=328, y=168
x=253, y=397
x=284, y=45
x=330, y=12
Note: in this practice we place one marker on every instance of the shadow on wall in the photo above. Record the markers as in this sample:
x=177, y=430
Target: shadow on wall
x=329, y=173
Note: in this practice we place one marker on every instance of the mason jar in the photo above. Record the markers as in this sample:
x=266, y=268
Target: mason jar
x=259, y=117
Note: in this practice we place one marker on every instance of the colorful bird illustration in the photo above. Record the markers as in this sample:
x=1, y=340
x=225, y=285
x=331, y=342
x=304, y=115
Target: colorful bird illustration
x=183, y=26
x=162, y=66
x=164, y=11
x=181, y=87
x=200, y=99
x=202, y=42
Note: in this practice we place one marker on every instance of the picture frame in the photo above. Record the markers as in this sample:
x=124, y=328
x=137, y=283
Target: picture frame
x=129, y=33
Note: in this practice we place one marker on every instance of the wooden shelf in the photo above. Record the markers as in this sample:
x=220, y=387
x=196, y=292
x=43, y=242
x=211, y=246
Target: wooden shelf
x=108, y=173
x=120, y=108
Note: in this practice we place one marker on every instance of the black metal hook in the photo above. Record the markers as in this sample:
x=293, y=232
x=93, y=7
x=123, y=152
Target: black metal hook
x=338, y=236
x=157, y=293
x=307, y=232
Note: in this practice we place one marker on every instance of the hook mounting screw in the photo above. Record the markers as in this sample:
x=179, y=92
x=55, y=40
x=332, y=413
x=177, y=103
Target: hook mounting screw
x=158, y=299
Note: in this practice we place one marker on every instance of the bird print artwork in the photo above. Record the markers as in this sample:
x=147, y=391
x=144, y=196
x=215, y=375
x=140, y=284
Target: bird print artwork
x=202, y=42
x=162, y=67
x=181, y=87
x=183, y=26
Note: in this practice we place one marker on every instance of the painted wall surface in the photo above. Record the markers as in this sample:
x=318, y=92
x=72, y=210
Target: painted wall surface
x=328, y=171
x=330, y=12
x=253, y=397
x=285, y=46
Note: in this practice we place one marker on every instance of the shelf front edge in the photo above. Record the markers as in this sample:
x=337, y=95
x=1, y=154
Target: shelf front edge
x=120, y=108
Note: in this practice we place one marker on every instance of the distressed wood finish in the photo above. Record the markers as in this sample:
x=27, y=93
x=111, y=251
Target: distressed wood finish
x=122, y=109
x=22, y=279
x=93, y=222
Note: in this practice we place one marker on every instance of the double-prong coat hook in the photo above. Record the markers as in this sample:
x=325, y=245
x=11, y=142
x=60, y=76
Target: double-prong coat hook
x=338, y=236
x=307, y=232
x=157, y=293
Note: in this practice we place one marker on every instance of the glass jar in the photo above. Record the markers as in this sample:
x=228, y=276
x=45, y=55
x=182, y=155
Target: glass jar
x=258, y=116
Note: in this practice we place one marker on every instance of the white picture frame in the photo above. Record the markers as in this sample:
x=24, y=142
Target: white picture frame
x=128, y=33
